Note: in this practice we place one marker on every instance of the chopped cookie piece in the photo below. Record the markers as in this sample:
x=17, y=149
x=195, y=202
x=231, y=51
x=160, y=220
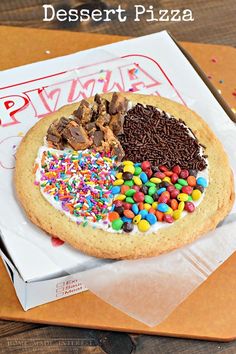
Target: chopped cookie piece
x=102, y=102
x=118, y=151
x=118, y=104
x=97, y=98
x=84, y=113
x=98, y=138
x=76, y=136
x=103, y=120
x=102, y=116
x=55, y=131
x=90, y=128
x=94, y=109
x=116, y=123
x=104, y=147
x=113, y=143
x=55, y=141
x=57, y=127
x=108, y=135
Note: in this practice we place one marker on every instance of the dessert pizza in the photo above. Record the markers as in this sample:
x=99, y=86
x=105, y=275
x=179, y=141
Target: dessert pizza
x=124, y=176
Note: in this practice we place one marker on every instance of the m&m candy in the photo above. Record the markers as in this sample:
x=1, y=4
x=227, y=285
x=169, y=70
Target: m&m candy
x=144, y=195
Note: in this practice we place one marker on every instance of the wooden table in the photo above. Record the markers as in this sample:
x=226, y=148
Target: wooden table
x=214, y=23
x=214, y=20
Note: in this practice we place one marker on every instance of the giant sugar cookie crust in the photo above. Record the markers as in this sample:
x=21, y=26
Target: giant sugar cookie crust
x=99, y=242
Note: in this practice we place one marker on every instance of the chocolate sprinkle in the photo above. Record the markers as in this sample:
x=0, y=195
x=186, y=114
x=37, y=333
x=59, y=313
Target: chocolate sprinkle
x=154, y=136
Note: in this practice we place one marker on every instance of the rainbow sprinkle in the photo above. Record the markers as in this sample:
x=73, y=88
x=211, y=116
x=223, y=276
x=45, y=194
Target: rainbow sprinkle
x=80, y=181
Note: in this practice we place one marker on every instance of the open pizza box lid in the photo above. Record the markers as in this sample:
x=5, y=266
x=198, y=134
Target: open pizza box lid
x=40, y=271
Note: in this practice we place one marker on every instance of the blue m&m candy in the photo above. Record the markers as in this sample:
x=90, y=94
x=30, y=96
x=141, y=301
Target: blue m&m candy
x=115, y=190
x=143, y=213
x=201, y=181
x=143, y=177
x=135, y=209
x=151, y=218
x=162, y=207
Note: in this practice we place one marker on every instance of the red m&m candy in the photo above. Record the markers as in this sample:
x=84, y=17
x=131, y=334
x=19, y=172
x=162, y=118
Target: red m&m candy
x=184, y=174
x=174, y=178
x=149, y=172
x=187, y=189
x=137, y=188
x=171, y=188
x=160, y=175
x=127, y=206
x=174, y=193
x=176, y=169
x=168, y=218
x=138, y=197
x=163, y=168
x=189, y=207
x=163, y=199
x=117, y=203
x=145, y=165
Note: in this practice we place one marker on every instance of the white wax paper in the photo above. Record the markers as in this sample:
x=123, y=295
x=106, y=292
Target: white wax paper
x=150, y=289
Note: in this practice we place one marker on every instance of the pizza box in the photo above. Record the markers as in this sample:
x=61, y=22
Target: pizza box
x=36, y=267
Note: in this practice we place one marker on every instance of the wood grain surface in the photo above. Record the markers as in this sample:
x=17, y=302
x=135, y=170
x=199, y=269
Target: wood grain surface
x=24, y=338
x=214, y=20
x=214, y=23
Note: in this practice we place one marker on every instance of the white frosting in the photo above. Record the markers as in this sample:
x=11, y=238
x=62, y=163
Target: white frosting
x=100, y=224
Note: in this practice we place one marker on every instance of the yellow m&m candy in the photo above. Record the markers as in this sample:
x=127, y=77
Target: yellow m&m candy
x=182, y=197
x=196, y=194
x=177, y=214
x=143, y=225
x=129, y=168
x=137, y=219
x=118, y=182
x=137, y=181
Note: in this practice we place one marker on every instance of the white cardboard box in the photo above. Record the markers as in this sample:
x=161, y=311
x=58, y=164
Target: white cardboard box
x=32, y=294
x=40, y=272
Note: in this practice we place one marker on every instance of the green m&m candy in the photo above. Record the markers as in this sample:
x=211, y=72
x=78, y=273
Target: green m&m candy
x=117, y=224
x=148, y=199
